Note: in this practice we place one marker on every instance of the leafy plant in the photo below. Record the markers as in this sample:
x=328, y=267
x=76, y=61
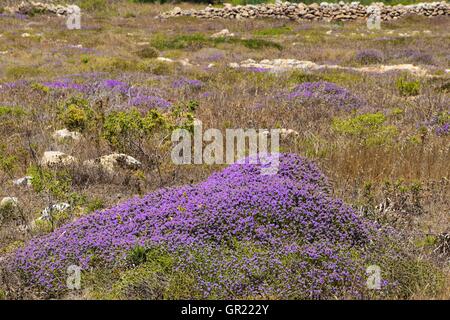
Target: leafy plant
x=368, y=128
x=407, y=88
x=148, y=52
x=76, y=114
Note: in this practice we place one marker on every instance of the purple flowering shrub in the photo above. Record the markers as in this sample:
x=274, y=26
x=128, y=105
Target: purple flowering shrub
x=323, y=92
x=290, y=213
x=186, y=83
x=415, y=56
x=369, y=56
x=123, y=94
x=439, y=123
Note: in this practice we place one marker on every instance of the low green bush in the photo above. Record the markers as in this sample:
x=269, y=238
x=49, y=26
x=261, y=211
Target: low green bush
x=407, y=88
x=369, y=129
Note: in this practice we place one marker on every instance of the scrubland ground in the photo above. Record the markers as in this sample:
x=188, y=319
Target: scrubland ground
x=382, y=139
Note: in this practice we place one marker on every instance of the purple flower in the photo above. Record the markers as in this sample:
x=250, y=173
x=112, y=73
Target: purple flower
x=184, y=82
x=369, y=56
x=291, y=214
x=65, y=84
x=116, y=86
x=443, y=130
x=149, y=102
x=324, y=92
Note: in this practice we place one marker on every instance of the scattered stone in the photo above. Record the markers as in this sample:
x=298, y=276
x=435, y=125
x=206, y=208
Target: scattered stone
x=185, y=62
x=57, y=158
x=163, y=59
x=110, y=163
x=288, y=133
x=25, y=181
x=65, y=134
x=225, y=33
x=46, y=214
x=277, y=65
x=284, y=133
x=9, y=202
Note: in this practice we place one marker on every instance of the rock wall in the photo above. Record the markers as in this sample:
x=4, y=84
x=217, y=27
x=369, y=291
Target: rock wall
x=323, y=11
x=32, y=7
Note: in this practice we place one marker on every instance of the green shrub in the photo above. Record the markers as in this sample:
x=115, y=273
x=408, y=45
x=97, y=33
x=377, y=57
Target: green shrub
x=40, y=88
x=8, y=162
x=137, y=255
x=148, y=52
x=125, y=129
x=197, y=41
x=407, y=88
x=22, y=72
x=188, y=41
x=12, y=111
x=368, y=128
x=56, y=184
x=156, y=67
x=94, y=205
x=155, y=278
x=74, y=118
x=297, y=76
x=76, y=114
x=260, y=44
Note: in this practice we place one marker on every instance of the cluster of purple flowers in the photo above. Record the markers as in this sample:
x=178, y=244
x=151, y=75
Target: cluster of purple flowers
x=415, y=56
x=16, y=15
x=116, y=86
x=256, y=69
x=439, y=123
x=14, y=85
x=369, y=56
x=291, y=212
x=66, y=84
x=149, y=102
x=136, y=96
x=324, y=92
x=186, y=83
x=443, y=130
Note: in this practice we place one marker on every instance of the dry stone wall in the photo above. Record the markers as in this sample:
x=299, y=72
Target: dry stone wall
x=323, y=11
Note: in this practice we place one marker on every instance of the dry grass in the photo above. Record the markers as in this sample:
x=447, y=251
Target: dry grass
x=235, y=98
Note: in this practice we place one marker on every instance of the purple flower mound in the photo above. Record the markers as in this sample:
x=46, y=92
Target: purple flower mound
x=443, y=130
x=325, y=92
x=116, y=86
x=369, y=56
x=291, y=212
x=184, y=82
x=65, y=84
x=149, y=102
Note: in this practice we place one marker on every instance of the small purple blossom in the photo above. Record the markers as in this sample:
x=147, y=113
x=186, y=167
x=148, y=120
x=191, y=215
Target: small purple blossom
x=149, y=102
x=324, y=92
x=184, y=82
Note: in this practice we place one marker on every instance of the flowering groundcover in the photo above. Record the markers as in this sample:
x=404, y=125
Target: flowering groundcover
x=312, y=244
